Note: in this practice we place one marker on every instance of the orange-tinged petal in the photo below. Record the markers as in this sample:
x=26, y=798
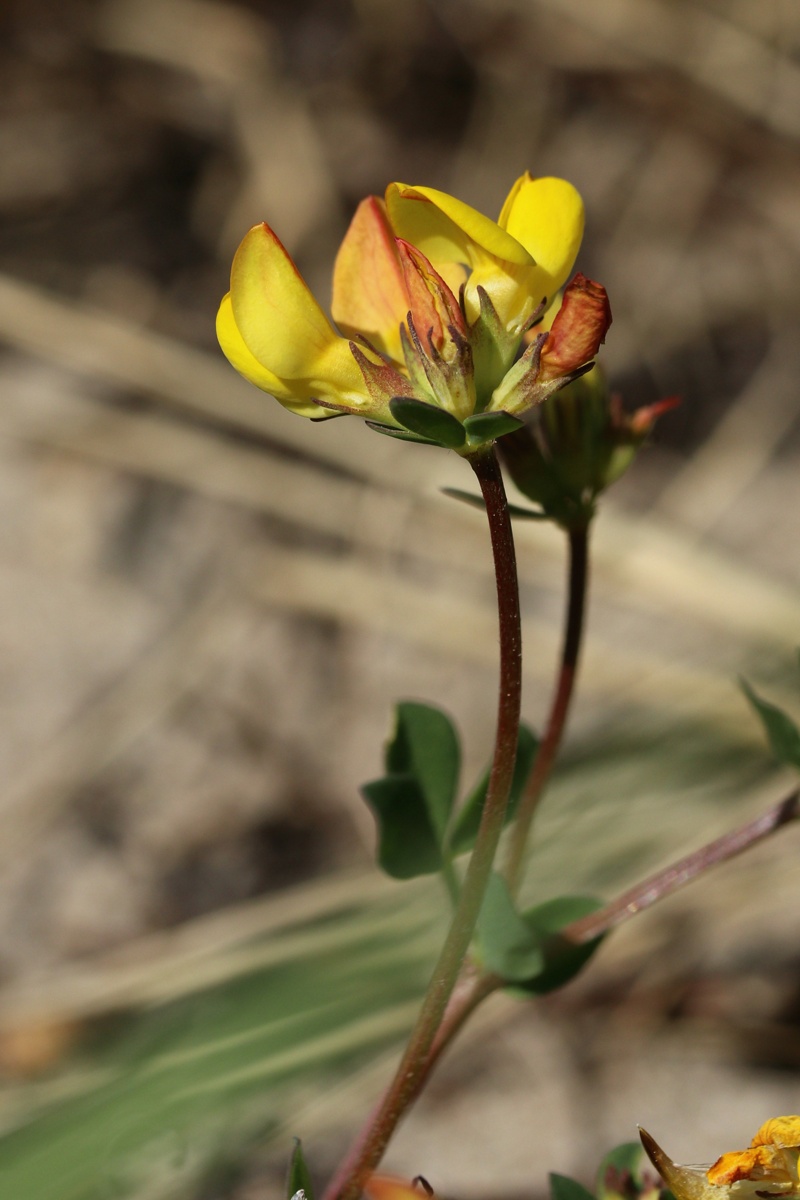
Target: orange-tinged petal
x=369, y=292
x=387, y=1187
x=758, y=1164
x=579, y=328
x=433, y=306
x=285, y=329
x=546, y=216
x=239, y=356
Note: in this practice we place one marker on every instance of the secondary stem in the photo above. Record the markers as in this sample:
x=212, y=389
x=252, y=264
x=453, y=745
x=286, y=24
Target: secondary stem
x=557, y=719
x=679, y=873
x=414, y=1066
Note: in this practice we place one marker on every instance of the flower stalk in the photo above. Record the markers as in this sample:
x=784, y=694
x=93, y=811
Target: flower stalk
x=421, y=1050
x=559, y=709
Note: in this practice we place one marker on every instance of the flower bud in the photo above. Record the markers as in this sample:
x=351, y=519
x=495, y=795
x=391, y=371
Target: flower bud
x=578, y=330
x=575, y=445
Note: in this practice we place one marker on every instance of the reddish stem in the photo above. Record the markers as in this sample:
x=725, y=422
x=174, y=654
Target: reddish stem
x=664, y=882
x=414, y=1065
x=559, y=710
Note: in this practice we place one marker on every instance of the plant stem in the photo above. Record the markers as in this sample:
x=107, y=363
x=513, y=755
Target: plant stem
x=559, y=709
x=414, y=1065
x=668, y=880
x=471, y=990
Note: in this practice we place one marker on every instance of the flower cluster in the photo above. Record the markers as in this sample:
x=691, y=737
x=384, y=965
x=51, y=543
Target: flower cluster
x=434, y=306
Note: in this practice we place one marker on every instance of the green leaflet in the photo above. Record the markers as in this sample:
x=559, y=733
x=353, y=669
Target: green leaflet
x=412, y=803
x=783, y=734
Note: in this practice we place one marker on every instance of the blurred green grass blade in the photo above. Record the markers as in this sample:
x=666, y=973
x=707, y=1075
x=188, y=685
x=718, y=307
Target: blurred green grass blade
x=180, y=1083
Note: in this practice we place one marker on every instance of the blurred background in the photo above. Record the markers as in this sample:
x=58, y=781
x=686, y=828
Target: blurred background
x=208, y=605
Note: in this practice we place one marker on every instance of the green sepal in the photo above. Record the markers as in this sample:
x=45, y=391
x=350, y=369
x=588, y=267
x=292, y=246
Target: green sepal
x=428, y=421
x=562, y=959
x=618, y=1171
x=514, y=510
x=509, y=947
x=401, y=434
x=412, y=803
x=298, y=1178
x=564, y=1188
x=783, y=734
x=464, y=829
x=407, y=841
x=488, y=426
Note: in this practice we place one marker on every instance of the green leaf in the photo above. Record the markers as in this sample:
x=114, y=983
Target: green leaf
x=509, y=947
x=783, y=734
x=408, y=843
x=428, y=420
x=426, y=746
x=465, y=828
x=525, y=514
x=562, y=959
x=401, y=434
x=564, y=1188
x=487, y=426
x=620, y=1166
x=413, y=802
x=298, y=1179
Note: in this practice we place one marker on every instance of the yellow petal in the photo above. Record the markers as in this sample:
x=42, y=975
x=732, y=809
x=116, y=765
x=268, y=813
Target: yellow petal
x=285, y=329
x=240, y=357
x=779, y=1131
x=447, y=230
x=546, y=216
x=369, y=294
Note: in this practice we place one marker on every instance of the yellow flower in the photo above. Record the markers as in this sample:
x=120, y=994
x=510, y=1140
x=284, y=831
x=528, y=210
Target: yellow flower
x=431, y=303
x=768, y=1167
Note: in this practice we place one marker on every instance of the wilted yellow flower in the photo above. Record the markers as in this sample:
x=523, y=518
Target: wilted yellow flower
x=431, y=303
x=767, y=1168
